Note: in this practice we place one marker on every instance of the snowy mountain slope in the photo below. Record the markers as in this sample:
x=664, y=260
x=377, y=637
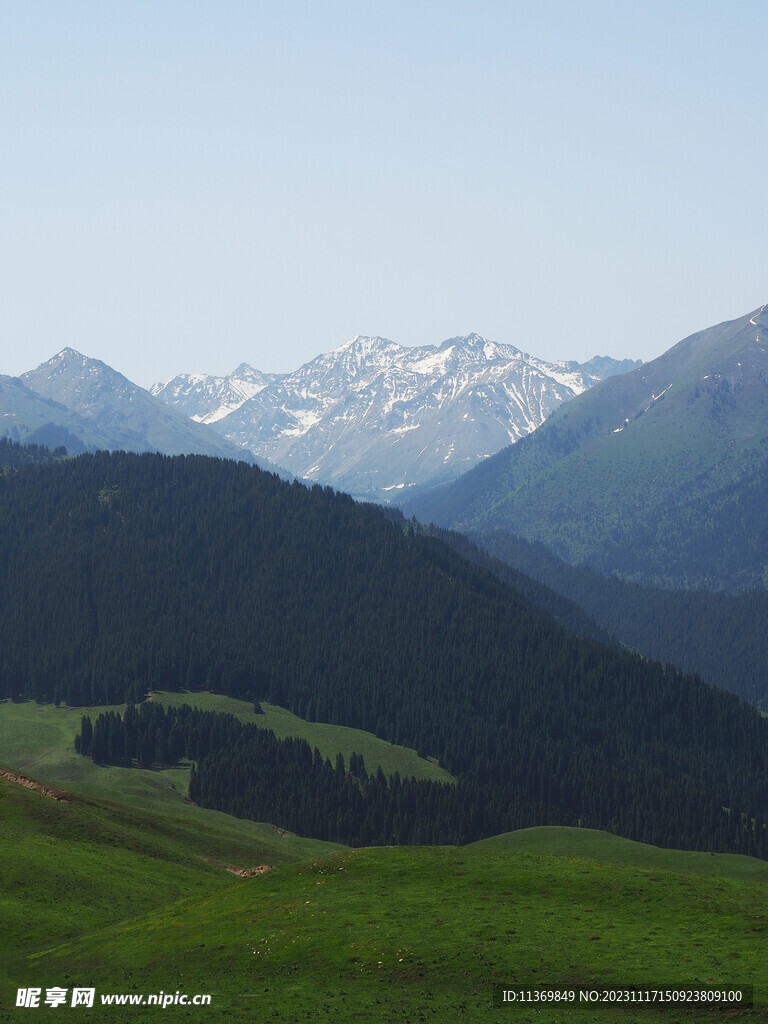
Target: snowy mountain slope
x=206, y=399
x=106, y=410
x=375, y=418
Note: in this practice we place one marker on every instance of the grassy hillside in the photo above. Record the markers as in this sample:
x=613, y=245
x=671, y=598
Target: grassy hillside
x=329, y=739
x=590, y=844
x=38, y=740
x=421, y=934
x=128, y=895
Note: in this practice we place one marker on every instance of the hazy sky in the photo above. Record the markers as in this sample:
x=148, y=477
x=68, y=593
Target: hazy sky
x=189, y=185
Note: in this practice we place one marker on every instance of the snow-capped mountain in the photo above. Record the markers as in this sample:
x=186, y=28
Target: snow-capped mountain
x=375, y=418
x=206, y=399
x=100, y=408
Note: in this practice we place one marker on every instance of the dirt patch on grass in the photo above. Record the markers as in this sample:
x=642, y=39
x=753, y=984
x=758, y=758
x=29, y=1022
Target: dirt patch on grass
x=49, y=791
x=249, y=872
x=240, y=872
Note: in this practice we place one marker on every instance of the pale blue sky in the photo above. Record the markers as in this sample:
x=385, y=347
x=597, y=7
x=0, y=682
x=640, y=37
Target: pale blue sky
x=188, y=185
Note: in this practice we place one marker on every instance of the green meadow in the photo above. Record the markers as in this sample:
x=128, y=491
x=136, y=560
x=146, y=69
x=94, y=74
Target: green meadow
x=123, y=888
x=330, y=740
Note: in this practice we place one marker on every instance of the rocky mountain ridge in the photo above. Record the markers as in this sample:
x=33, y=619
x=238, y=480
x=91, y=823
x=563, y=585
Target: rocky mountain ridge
x=376, y=418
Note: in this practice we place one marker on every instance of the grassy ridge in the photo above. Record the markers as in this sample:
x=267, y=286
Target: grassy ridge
x=38, y=739
x=603, y=846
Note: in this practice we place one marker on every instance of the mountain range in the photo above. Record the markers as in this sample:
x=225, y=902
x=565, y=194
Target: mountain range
x=82, y=404
x=659, y=475
x=370, y=417
x=375, y=418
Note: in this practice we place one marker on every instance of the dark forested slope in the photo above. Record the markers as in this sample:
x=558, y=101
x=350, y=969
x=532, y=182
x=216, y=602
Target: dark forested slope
x=120, y=573
x=14, y=455
x=719, y=636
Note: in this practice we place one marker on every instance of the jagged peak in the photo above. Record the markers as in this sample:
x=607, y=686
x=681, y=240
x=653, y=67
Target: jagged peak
x=366, y=342
x=477, y=345
x=359, y=352
x=66, y=354
x=473, y=338
x=69, y=357
x=246, y=370
x=69, y=364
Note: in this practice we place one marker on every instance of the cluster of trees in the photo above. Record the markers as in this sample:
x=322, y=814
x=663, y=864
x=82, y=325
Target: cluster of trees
x=248, y=772
x=14, y=455
x=124, y=573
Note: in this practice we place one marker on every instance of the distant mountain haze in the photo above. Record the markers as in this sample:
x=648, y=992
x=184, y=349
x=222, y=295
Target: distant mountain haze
x=371, y=417
x=207, y=399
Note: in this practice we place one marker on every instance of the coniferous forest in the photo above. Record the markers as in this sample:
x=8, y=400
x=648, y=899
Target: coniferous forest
x=14, y=455
x=718, y=635
x=122, y=573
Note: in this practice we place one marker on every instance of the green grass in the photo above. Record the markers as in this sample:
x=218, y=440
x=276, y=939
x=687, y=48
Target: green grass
x=603, y=846
x=38, y=741
x=425, y=934
x=70, y=868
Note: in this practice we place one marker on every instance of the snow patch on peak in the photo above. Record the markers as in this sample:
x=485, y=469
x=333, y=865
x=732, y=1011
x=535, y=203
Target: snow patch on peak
x=372, y=415
x=760, y=319
x=68, y=355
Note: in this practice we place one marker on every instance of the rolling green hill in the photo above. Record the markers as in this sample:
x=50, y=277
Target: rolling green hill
x=122, y=887
x=658, y=475
x=104, y=895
